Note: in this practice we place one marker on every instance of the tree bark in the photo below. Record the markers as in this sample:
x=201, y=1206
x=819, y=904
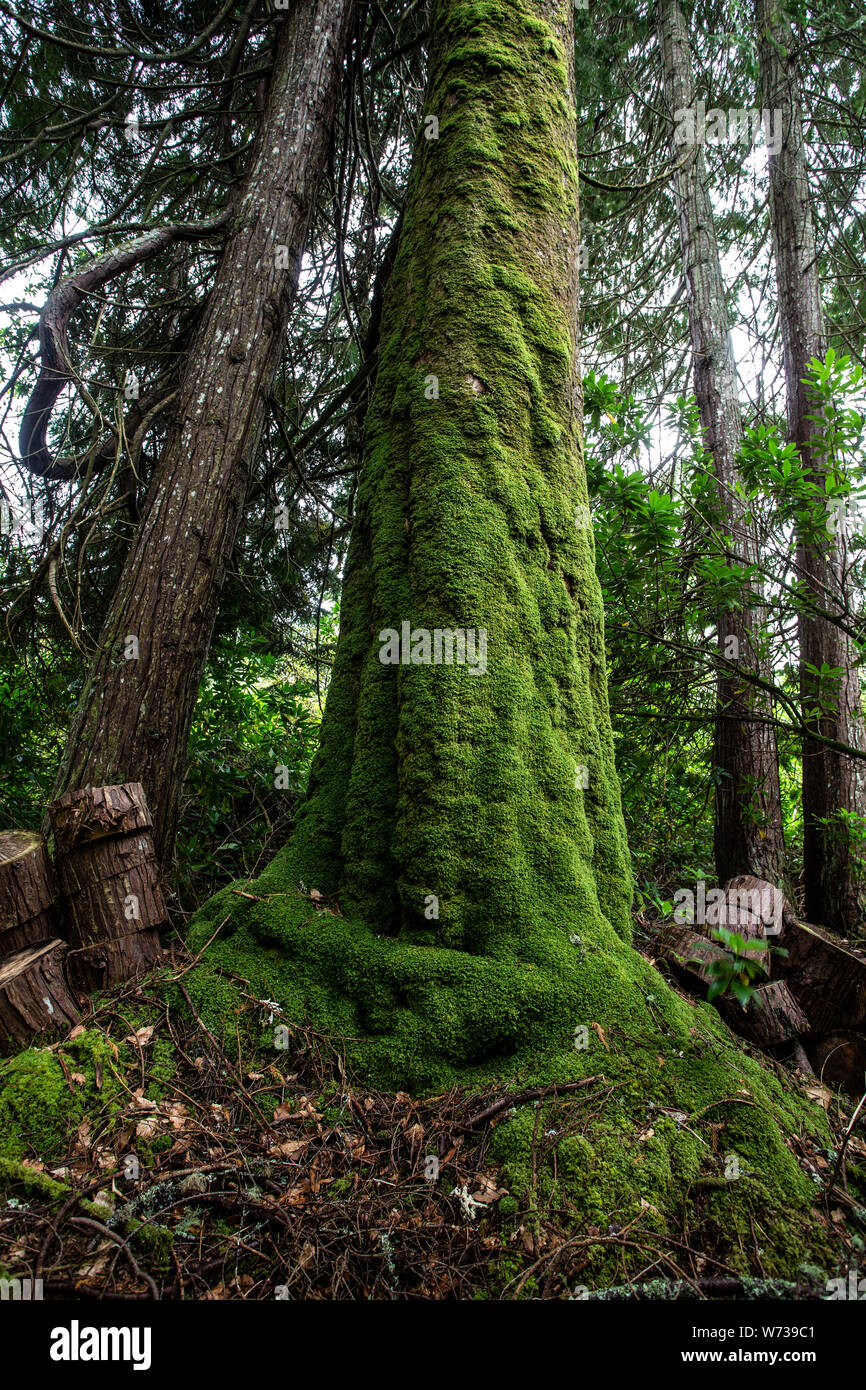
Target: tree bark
x=34, y=995
x=110, y=883
x=135, y=712
x=748, y=836
x=28, y=892
x=832, y=782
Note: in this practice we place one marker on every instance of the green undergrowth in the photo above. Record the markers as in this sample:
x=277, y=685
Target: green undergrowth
x=677, y=1106
x=43, y=1099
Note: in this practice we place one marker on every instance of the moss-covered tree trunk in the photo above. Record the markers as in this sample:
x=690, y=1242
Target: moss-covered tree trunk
x=466, y=804
x=454, y=902
x=748, y=808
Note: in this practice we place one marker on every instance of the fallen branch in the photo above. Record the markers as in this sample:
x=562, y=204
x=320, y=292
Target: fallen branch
x=524, y=1097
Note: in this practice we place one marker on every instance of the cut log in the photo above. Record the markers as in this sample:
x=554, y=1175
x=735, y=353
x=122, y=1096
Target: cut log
x=752, y=907
x=80, y=817
x=112, y=962
x=772, y=1015
x=110, y=883
x=112, y=889
x=689, y=955
x=827, y=978
x=34, y=995
x=840, y=1060
x=28, y=892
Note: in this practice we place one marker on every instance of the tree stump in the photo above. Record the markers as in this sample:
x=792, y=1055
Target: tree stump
x=771, y=1017
x=827, y=977
x=34, y=995
x=28, y=892
x=110, y=883
x=752, y=907
x=80, y=817
x=689, y=955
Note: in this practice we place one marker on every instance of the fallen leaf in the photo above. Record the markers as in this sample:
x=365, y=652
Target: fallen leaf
x=487, y=1190
x=289, y=1149
x=142, y=1101
x=821, y=1094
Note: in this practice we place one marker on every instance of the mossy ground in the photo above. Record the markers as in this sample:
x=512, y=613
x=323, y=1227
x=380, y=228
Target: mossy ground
x=692, y=1125
x=626, y=1177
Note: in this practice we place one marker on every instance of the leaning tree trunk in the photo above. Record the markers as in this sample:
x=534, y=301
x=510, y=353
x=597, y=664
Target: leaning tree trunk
x=134, y=716
x=748, y=808
x=832, y=781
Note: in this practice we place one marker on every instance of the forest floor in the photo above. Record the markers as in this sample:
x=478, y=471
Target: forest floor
x=189, y=1173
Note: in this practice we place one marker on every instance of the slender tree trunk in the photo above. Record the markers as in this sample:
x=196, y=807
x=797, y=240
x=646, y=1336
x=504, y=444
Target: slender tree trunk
x=832, y=782
x=134, y=715
x=748, y=808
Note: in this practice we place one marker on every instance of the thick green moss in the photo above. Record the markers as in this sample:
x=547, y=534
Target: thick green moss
x=434, y=782
x=423, y=1017
x=17, y=1176
x=39, y=1108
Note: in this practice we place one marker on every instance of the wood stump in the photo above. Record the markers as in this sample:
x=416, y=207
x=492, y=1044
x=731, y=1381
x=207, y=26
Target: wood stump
x=34, y=995
x=110, y=883
x=827, y=977
x=771, y=1017
x=28, y=892
x=690, y=955
x=752, y=907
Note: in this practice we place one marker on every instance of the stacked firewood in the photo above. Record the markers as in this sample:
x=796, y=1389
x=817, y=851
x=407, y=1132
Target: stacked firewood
x=88, y=924
x=812, y=1004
